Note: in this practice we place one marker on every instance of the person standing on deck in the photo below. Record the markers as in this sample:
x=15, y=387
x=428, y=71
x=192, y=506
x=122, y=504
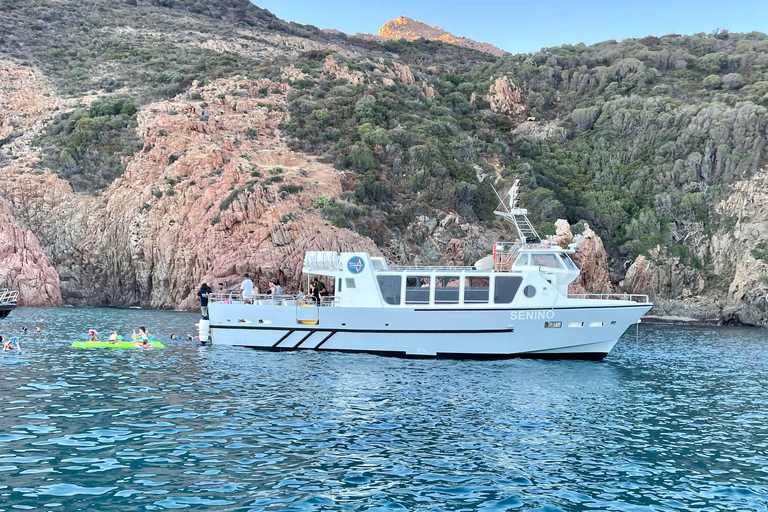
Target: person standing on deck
x=246, y=288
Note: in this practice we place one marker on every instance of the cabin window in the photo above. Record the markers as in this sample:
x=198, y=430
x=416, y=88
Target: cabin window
x=545, y=260
x=569, y=264
x=505, y=289
x=339, y=286
x=529, y=291
x=575, y=324
x=521, y=261
x=390, y=289
x=447, y=289
x=476, y=290
x=596, y=324
x=417, y=290
x=349, y=281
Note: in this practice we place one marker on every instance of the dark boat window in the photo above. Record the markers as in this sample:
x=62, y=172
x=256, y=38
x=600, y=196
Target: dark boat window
x=390, y=289
x=506, y=288
x=476, y=290
x=417, y=290
x=447, y=289
x=568, y=262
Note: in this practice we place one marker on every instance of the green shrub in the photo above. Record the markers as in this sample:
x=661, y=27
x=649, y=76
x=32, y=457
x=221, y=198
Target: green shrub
x=227, y=202
x=320, y=202
x=291, y=189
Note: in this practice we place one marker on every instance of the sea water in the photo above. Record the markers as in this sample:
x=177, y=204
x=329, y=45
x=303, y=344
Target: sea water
x=673, y=419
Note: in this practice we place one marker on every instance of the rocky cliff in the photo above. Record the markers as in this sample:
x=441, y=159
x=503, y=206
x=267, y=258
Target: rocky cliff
x=738, y=256
x=24, y=266
x=205, y=200
x=409, y=29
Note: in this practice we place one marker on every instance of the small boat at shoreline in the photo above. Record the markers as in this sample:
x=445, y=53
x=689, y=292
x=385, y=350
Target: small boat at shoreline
x=514, y=303
x=8, y=300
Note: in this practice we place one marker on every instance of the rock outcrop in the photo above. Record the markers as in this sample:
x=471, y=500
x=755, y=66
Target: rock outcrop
x=403, y=27
x=504, y=97
x=342, y=72
x=24, y=267
x=590, y=256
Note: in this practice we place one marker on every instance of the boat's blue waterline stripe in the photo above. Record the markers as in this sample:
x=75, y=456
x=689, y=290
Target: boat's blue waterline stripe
x=588, y=356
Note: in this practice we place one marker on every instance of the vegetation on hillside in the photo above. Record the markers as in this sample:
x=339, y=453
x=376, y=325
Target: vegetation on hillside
x=644, y=135
x=86, y=145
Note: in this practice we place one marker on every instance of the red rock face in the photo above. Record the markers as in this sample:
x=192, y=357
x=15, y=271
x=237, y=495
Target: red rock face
x=202, y=202
x=407, y=28
x=24, y=267
x=504, y=97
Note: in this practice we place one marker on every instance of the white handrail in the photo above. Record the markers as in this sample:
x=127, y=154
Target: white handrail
x=262, y=299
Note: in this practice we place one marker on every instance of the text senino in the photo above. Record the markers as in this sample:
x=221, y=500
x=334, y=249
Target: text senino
x=531, y=315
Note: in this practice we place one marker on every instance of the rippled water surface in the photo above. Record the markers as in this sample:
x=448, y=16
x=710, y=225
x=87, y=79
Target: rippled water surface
x=675, y=419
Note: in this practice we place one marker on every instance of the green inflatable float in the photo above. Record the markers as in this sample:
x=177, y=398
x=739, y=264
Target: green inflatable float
x=119, y=344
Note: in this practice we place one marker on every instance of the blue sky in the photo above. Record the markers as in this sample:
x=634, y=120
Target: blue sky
x=518, y=26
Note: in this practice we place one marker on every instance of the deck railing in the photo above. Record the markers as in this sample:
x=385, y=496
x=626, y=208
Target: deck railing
x=430, y=268
x=9, y=296
x=271, y=300
x=634, y=297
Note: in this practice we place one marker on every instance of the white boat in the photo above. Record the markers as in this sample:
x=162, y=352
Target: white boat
x=8, y=299
x=514, y=303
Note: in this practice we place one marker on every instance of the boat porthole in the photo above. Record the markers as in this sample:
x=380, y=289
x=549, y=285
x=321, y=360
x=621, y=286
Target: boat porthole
x=529, y=291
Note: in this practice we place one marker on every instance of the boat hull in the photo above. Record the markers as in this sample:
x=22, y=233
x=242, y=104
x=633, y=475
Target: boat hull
x=474, y=333
x=5, y=310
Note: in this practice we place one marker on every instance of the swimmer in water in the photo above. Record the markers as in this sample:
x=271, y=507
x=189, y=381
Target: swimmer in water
x=8, y=344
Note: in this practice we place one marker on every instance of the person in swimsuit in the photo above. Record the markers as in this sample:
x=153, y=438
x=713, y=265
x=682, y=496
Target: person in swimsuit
x=142, y=338
x=8, y=344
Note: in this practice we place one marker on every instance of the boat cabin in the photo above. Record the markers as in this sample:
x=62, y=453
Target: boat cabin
x=364, y=281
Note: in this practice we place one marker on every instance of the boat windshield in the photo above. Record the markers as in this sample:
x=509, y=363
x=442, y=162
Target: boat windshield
x=545, y=260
